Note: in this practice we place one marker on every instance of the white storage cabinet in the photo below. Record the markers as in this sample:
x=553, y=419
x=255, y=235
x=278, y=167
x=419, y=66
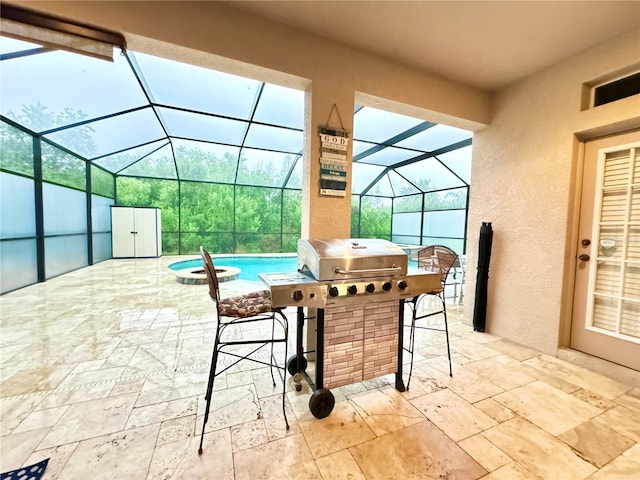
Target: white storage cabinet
x=136, y=232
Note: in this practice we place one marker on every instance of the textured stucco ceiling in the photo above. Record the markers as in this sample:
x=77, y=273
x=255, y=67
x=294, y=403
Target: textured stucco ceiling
x=486, y=44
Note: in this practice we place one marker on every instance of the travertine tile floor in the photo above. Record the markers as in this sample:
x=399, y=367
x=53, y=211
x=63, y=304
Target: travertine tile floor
x=104, y=371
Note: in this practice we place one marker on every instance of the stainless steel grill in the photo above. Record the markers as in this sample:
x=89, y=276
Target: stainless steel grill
x=347, y=272
x=354, y=292
x=350, y=258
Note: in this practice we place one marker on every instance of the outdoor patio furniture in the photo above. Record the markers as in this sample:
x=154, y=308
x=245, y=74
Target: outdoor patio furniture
x=232, y=314
x=440, y=259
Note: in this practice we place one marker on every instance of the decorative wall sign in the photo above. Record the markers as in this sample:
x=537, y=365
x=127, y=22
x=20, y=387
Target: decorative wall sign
x=333, y=158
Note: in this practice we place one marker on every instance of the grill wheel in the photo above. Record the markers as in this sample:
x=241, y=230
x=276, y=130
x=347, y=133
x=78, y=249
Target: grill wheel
x=321, y=403
x=292, y=365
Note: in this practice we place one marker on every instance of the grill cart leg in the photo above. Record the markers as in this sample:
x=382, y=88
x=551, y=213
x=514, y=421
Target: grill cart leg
x=322, y=400
x=292, y=364
x=399, y=381
x=292, y=368
x=297, y=364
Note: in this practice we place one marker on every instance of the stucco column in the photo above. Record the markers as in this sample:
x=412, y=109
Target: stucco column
x=325, y=216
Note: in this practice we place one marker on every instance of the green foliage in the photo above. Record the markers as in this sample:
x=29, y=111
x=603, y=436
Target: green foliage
x=133, y=192
x=370, y=217
x=290, y=242
x=157, y=165
x=37, y=118
x=375, y=218
x=445, y=200
x=61, y=168
x=102, y=183
x=201, y=165
x=355, y=216
x=58, y=166
x=206, y=208
x=229, y=206
x=224, y=218
x=258, y=210
x=16, y=150
x=150, y=192
x=412, y=203
x=291, y=213
x=441, y=200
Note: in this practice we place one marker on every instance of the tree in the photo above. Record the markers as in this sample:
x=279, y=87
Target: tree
x=58, y=166
x=224, y=217
x=16, y=150
x=38, y=118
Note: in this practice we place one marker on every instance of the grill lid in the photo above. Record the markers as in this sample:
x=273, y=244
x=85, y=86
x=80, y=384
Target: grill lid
x=351, y=258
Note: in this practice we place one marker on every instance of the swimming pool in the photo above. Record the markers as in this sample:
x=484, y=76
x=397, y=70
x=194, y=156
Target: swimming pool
x=249, y=266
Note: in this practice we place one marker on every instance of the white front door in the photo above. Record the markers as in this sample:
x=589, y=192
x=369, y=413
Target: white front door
x=606, y=309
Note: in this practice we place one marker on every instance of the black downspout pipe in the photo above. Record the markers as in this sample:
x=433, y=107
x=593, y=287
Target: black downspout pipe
x=484, y=257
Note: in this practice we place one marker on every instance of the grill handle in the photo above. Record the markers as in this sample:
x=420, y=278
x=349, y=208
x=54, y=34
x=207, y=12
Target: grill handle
x=392, y=269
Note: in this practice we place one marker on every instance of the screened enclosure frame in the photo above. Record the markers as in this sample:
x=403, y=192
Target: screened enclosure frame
x=224, y=168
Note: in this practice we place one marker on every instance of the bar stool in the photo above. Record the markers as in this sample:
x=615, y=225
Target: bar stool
x=237, y=311
x=438, y=259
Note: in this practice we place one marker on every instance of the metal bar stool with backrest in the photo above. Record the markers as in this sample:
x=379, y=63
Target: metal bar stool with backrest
x=455, y=279
x=438, y=259
x=235, y=312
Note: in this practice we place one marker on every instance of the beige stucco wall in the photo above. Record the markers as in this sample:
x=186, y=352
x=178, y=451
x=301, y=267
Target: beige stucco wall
x=523, y=181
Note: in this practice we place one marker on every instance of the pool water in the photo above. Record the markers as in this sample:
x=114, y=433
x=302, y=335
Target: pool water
x=249, y=266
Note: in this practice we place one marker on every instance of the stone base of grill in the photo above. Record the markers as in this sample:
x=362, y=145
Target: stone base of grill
x=360, y=342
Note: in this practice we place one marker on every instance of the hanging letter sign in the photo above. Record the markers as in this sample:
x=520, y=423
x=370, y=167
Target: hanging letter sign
x=333, y=164
x=333, y=159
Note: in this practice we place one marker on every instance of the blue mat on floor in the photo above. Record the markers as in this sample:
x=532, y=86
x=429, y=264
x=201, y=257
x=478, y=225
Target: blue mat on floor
x=32, y=472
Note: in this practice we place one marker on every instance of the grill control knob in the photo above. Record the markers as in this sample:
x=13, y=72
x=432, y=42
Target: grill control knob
x=333, y=291
x=402, y=285
x=386, y=286
x=370, y=288
x=296, y=296
x=352, y=290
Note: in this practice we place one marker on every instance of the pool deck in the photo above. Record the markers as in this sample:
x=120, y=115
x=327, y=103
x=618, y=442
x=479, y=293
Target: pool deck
x=105, y=373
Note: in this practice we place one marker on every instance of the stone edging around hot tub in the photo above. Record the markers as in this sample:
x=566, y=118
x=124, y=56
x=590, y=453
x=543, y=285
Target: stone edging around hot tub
x=196, y=275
